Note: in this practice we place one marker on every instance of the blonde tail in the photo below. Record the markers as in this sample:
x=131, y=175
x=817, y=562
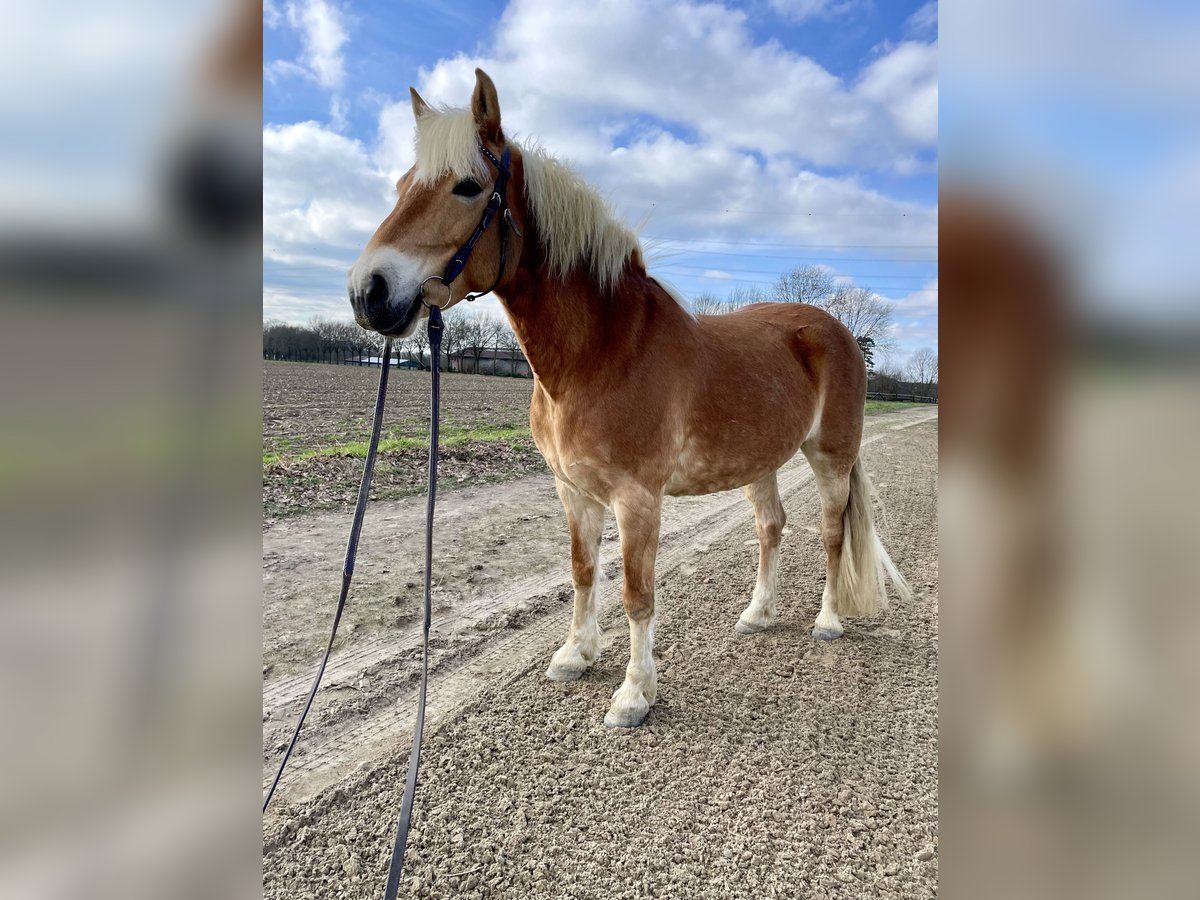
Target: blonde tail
x=861, y=589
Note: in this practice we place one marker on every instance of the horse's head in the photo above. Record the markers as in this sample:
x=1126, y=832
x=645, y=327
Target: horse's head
x=440, y=202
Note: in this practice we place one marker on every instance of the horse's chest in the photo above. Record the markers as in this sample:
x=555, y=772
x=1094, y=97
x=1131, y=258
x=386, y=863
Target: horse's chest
x=571, y=446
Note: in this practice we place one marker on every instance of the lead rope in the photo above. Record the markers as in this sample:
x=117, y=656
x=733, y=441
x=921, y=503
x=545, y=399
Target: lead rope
x=348, y=567
x=414, y=758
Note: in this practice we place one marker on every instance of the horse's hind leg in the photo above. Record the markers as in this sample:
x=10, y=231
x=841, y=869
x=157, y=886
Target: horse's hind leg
x=832, y=474
x=769, y=519
x=585, y=518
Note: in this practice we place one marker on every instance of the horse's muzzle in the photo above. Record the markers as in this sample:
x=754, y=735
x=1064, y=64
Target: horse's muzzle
x=375, y=310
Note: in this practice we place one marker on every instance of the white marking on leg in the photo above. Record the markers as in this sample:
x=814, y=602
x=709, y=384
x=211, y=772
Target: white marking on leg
x=582, y=645
x=828, y=626
x=763, y=611
x=586, y=521
x=633, y=699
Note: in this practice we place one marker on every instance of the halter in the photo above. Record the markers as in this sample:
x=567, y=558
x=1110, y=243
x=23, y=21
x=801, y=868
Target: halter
x=497, y=204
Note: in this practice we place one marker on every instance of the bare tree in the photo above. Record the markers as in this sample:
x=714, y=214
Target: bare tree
x=867, y=315
x=507, y=338
x=415, y=346
x=708, y=305
x=804, y=284
x=864, y=313
x=343, y=336
x=743, y=295
x=887, y=378
x=481, y=332
x=456, y=331
x=923, y=367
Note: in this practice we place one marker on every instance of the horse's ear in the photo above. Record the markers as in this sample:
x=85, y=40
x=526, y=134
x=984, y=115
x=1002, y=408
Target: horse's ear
x=485, y=106
x=420, y=107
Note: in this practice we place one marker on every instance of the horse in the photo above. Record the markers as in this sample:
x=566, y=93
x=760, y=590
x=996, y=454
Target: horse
x=629, y=404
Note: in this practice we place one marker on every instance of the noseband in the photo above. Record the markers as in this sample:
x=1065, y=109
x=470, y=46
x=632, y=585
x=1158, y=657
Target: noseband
x=497, y=204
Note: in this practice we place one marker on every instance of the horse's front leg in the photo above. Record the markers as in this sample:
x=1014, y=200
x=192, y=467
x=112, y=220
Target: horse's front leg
x=638, y=516
x=585, y=519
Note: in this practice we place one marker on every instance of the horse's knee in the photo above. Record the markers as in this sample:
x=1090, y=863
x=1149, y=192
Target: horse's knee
x=583, y=573
x=769, y=526
x=638, y=603
x=769, y=533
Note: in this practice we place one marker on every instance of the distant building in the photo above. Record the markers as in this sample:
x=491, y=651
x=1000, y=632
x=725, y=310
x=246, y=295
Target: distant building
x=489, y=361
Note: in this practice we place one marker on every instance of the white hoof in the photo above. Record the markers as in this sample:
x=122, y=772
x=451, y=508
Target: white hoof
x=558, y=672
x=629, y=708
x=758, y=616
x=627, y=717
x=744, y=627
x=826, y=634
x=570, y=662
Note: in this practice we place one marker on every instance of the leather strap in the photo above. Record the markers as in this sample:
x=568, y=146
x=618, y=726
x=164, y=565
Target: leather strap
x=360, y=509
x=414, y=758
x=498, y=204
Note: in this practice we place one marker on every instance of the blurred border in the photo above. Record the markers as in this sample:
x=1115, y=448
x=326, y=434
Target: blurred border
x=1070, y=181
x=130, y=266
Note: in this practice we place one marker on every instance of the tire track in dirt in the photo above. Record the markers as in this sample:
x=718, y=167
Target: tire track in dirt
x=328, y=754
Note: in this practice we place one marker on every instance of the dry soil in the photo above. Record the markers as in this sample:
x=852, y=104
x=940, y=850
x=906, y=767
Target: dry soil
x=771, y=765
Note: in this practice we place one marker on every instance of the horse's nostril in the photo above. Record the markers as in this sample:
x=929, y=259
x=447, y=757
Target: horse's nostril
x=378, y=294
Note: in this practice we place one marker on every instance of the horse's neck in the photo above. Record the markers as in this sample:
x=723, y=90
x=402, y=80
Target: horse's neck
x=574, y=331
x=555, y=321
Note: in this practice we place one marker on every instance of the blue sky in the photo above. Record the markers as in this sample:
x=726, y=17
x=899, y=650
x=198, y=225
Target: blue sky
x=749, y=138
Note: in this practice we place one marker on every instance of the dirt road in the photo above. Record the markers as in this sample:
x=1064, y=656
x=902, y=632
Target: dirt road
x=770, y=766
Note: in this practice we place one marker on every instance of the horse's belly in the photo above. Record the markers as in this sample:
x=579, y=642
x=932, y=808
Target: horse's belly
x=700, y=473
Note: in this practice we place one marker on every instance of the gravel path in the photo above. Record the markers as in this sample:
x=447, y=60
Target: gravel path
x=771, y=765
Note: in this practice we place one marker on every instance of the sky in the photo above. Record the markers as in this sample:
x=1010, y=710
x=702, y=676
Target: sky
x=743, y=139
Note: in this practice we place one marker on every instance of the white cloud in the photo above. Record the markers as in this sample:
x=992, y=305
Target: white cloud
x=322, y=197
x=338, y=107
x=801, y=10
x=693, y=190
x=924, y=20
x=916, y=319
x=322, y=35
x=904, y=83
x=710, y=78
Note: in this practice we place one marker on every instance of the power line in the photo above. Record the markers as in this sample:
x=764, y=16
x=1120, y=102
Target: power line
x=634, y=204
x=768, y=272
x=784, y=244
x=897, y=259
x=736, y=281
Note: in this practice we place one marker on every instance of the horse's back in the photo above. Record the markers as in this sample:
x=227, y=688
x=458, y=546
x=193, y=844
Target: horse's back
x=824, y=348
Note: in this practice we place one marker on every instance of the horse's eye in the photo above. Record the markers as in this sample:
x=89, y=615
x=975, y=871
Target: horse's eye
x=468, y=187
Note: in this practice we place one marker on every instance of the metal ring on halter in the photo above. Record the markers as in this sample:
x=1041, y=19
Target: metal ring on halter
x=440, y=279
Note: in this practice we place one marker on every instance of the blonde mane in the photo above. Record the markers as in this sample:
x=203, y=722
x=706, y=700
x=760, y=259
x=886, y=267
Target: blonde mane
x=575, y=224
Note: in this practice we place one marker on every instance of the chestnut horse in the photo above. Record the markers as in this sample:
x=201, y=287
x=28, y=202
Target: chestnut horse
x=628, y=405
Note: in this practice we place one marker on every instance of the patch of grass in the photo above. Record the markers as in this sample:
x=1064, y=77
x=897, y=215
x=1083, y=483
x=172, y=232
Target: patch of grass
x=877, y=406
x=451, y=436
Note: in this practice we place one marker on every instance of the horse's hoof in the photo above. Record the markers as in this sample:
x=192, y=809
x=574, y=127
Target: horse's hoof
x=565, y=673
x=626, y=718
x=826, y=634
x=744, y=627
x=629, y=707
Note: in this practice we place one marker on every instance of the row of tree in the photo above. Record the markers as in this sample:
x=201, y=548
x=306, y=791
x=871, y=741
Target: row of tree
x=468, y=335
x=868, y=316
